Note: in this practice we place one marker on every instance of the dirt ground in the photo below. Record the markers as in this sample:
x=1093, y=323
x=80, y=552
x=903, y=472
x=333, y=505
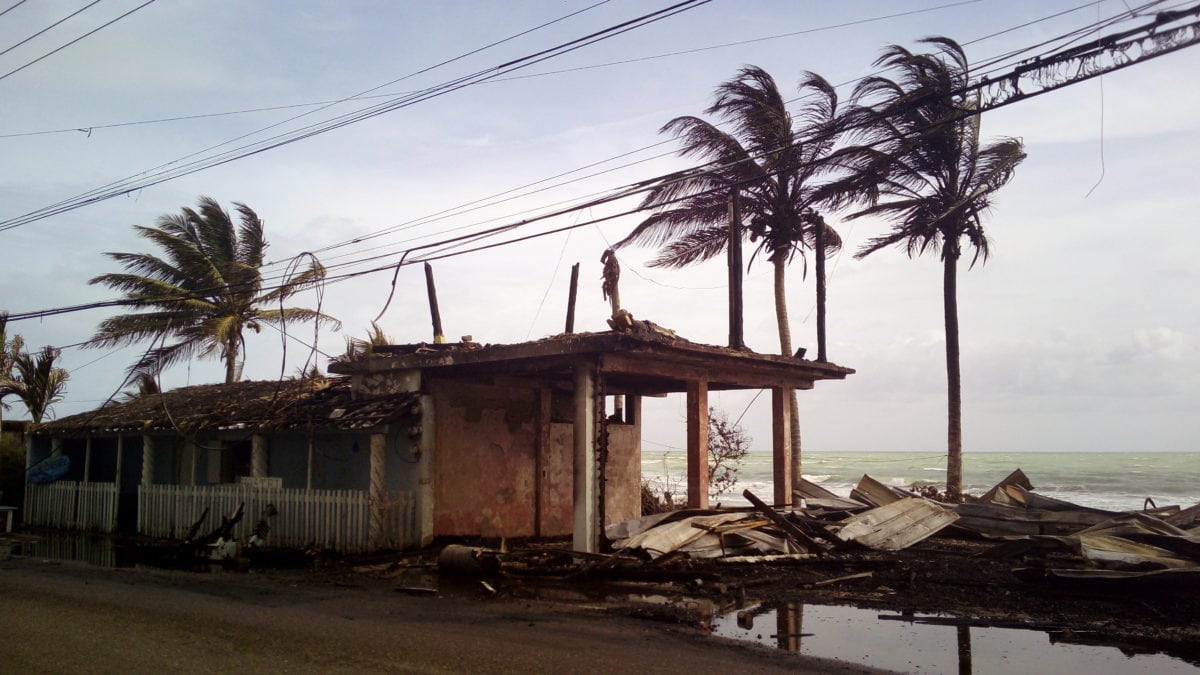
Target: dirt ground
x=61, y=617
x=944, y=579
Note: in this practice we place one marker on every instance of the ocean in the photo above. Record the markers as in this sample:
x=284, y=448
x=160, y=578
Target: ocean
x=1116, y=481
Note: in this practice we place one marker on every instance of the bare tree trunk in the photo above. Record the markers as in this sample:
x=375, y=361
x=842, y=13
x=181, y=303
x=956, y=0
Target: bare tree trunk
x=785, y=347
x=953, y=375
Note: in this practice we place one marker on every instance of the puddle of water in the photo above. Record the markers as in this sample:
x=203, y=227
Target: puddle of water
x=96, y=550
x=859, y=636
x=105, y=551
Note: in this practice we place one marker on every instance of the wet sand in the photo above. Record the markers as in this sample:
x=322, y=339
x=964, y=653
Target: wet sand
x=69, y=617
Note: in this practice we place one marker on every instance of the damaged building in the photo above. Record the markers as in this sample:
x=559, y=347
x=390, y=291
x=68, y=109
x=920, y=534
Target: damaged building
x=411, y=442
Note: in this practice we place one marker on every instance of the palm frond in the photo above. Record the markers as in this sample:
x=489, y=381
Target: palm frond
x=692, y=248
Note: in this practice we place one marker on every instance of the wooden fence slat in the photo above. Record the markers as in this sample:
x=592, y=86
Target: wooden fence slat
x=71, y=505
x=333, y=519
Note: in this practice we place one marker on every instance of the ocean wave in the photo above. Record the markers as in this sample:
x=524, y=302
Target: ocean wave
x=818, y=478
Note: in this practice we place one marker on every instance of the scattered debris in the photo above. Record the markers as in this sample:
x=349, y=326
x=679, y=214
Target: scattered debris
x=468, y=561
x=838, y=580
x=897, y=525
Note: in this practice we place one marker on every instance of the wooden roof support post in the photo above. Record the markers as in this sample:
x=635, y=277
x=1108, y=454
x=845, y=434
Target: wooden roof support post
x=120, y=456
x=147, y=460
x=781, y=428
x=308, y=468
x=586, y=528
x=375, y=496
x=571, y=295
x=258, y=456
x=697, y=444
x=87, y=459
x=434, y=312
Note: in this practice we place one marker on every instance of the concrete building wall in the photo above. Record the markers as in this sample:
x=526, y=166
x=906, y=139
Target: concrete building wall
x=484, y=475
x=623, y=473
x=489, y=480
x=558, y=482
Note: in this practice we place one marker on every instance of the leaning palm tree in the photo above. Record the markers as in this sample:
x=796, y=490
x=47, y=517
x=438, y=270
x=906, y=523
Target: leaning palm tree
x=10, y=349
x=36, y=381
x=204, y=292
x=918, y=162
x=772, y=167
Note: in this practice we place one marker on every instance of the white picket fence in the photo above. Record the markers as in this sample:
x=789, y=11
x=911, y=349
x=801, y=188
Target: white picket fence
x=70, y=505
x=333, y=519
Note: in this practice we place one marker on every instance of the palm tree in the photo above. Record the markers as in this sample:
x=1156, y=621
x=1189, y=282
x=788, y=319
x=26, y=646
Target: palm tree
x=10, y=349
x=144, y=384
x=36, y=381
x=205, y=291
x=772, y=166
x=918, y=163
x=358, y=349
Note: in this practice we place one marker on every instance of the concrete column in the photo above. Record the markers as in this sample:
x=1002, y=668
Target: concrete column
x=425, y=471
x=87, y=460
x=697, y=444
x=147, y=460
x=376, y=494
x=586, y=529
x=308, y=474
x=215, y=461
x=258, y=456
x=187, y=461
x=781, y=425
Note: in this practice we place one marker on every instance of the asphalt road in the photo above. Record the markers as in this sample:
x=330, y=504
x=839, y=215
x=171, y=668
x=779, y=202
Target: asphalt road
x=66, y=617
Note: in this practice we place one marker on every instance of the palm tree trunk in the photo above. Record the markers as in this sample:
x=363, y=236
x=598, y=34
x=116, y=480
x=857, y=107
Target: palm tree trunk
x=820, y=253
x=231, y=357
x=785, y=347
x=953, y=375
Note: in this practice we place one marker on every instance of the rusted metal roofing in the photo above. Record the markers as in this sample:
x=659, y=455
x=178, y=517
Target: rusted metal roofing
x=321, y=403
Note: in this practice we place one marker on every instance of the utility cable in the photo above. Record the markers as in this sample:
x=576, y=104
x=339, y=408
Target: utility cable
x=127, y=185
x=617, y=195
x=65, y=18
x=807, y=31
x=491, y=200
x=13, y=6
x=81, y=37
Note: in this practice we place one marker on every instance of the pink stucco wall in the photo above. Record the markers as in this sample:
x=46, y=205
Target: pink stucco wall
x=486, y=466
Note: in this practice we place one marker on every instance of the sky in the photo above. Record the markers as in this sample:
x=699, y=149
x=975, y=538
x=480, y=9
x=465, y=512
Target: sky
x=1081, y=333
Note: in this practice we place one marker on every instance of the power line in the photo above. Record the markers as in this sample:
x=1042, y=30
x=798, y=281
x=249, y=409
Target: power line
x=491, y=200
x=63, y=206
x=12, y=7
x=65, y=18
x=807, y=31
x=129, y=184
x=81, y=37
x=1166, y=41
x=87, y=128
